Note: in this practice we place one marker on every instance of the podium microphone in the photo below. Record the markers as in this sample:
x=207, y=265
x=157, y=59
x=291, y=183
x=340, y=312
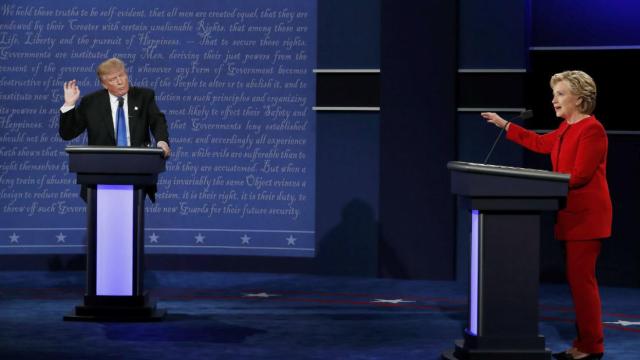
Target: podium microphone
x=525, y=115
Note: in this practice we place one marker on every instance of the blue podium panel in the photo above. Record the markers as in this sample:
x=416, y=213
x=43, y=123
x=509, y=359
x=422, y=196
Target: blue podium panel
x=114, y=240
x=474, y=273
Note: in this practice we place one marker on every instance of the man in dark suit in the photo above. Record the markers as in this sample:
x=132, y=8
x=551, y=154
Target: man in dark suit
x=98, y=113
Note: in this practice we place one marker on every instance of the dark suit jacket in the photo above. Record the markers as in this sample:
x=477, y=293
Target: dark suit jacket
x=93, y=114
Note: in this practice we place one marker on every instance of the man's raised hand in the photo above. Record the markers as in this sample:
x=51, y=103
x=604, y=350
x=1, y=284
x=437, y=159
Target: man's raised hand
x=71, y=93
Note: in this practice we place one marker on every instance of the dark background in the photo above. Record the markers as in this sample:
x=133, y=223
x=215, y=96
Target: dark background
x=615, y=71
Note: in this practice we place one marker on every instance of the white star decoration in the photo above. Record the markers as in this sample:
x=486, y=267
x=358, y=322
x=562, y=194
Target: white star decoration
x=245, y=239
x=260, y=295
x=291, y=240
x=14, y=238
x=153, y=238
x=61, y=238
x=391, y=301
x=199, y=238
x=623, y=323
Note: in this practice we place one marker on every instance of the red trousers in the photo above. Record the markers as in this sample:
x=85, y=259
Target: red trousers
x=581, y=259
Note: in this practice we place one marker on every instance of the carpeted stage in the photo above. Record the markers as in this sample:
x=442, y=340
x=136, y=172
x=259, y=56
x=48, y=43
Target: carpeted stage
x=276, y=316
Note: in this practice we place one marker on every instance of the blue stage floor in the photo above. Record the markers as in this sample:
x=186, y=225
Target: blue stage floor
x=277, y=316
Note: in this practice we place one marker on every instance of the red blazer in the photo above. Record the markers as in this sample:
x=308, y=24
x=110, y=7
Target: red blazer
x=581, y=151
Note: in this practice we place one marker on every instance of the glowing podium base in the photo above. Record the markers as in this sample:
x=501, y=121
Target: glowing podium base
x=506, y=205
x=115, y=179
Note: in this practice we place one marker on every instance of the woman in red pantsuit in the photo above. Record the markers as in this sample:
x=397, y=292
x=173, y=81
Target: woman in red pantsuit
x=577, y=147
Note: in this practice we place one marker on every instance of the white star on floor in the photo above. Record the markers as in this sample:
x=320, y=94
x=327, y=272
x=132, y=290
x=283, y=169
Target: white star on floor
x=245, y=239
x=153, y=238
x=199, y=238
x=291, y=240
x=623, y=323
x=260, y=295
x=61, y=238
x=391, y=301
x=14, y=238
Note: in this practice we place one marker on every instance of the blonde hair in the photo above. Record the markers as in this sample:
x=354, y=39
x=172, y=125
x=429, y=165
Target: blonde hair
x=108, y=66
x=582, y=85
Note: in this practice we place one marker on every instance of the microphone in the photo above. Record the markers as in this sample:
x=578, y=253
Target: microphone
x=525, y=115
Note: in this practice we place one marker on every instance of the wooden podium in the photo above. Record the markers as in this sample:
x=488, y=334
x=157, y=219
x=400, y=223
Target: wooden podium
x=115, y=179
x=506, y=205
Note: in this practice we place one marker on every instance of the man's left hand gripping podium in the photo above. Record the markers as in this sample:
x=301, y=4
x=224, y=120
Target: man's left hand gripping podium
x=116, y=180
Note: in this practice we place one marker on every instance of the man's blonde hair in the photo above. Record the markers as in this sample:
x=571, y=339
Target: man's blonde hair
x=582, y=85
x=109, y=65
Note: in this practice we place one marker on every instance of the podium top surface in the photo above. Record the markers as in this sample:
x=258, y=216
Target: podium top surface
x=115, y=165
x=86, y=149
x=508, y=171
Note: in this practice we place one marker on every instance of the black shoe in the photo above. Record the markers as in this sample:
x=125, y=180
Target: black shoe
x=562, y=356
x=594, y=356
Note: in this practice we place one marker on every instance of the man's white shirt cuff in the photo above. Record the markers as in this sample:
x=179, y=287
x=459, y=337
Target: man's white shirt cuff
x=66, y=108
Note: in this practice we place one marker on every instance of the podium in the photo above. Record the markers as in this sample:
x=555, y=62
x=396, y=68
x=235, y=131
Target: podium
x=506, y=206
x=115, y=179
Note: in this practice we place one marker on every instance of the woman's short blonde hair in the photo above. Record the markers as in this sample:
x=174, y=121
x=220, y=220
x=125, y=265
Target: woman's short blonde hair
x=582, y=85
x=108, y=66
